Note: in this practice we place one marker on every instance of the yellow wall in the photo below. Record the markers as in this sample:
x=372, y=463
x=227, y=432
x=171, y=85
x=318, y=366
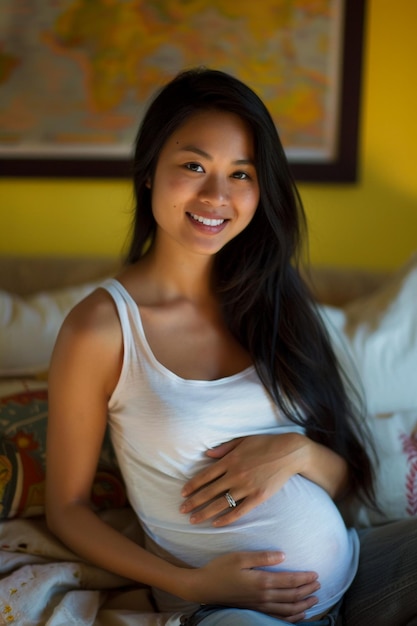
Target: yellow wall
x=371, y=224
x=374, y=223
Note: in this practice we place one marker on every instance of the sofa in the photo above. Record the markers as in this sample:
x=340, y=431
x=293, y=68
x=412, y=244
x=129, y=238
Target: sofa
x=371, y=318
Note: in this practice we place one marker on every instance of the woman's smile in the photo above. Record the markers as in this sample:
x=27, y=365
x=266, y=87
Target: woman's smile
x=207, y=225
x=205, y=220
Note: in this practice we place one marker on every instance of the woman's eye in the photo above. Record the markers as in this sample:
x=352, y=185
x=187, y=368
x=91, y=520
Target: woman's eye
x=194, y=167
x=241, y=176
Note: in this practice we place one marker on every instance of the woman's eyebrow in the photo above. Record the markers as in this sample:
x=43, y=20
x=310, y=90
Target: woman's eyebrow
x=191, y=148
x=206, y=155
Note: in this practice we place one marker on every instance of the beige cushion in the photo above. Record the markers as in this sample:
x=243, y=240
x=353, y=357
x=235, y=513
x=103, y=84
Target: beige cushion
x=29, y=326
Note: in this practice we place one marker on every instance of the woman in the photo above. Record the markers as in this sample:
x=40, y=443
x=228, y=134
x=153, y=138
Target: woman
x=208, y=339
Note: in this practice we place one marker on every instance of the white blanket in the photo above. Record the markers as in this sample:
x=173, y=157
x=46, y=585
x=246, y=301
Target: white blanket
x=42, y=583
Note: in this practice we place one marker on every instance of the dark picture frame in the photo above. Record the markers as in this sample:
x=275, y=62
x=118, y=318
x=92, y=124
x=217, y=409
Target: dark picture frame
x=342, y=167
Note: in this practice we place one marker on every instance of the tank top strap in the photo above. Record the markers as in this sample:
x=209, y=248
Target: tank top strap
x=124, y=305
x=129, y=316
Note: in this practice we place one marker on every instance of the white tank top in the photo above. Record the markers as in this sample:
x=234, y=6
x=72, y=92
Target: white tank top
x=161, y=425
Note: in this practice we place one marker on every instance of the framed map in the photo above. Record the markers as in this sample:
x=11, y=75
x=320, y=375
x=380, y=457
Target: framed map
x=77, y=75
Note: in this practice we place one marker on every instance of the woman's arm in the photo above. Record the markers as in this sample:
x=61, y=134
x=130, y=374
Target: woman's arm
x=253, y=468
x=84, y=370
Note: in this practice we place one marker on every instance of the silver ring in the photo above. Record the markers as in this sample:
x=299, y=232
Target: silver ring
x=230, y=500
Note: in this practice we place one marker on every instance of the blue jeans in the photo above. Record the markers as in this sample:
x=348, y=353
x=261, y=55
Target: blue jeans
x=222, y=616
x=384, y=591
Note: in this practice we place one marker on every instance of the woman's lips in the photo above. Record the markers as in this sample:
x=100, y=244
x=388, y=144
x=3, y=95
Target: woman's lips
x=206, y=221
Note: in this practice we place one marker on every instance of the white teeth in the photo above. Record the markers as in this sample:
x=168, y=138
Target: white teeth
x=206, y=221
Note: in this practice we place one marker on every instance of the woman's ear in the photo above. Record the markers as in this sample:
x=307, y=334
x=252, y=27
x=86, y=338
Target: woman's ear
x=148, y=183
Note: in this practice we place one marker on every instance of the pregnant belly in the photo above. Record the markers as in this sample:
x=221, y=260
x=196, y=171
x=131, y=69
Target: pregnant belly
x=301, y=520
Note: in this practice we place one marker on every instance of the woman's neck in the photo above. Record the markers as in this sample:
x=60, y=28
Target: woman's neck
x=179, y=276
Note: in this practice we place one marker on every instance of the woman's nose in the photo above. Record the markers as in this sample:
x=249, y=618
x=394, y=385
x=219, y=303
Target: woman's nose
x=214, y=191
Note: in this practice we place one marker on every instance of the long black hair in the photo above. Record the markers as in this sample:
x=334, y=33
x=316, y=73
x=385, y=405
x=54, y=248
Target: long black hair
x=266, y=304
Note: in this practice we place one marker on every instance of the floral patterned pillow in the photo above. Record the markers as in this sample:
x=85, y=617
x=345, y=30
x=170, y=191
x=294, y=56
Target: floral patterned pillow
x=23, y=422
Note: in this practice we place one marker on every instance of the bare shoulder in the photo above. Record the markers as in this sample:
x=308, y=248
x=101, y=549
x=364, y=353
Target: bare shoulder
x=95, y=313
x=93, y=321
x=89, y=343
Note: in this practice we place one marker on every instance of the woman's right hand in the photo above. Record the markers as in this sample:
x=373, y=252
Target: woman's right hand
x=236, y=580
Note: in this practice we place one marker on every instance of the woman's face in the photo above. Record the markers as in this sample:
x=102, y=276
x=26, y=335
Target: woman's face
x=205, y=188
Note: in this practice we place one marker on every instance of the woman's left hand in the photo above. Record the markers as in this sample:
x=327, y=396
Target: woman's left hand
x=251, y=469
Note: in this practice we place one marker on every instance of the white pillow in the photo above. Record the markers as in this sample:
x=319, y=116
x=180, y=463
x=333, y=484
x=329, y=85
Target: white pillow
x=29, y=326
x=375, y=338
x=395, y=439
